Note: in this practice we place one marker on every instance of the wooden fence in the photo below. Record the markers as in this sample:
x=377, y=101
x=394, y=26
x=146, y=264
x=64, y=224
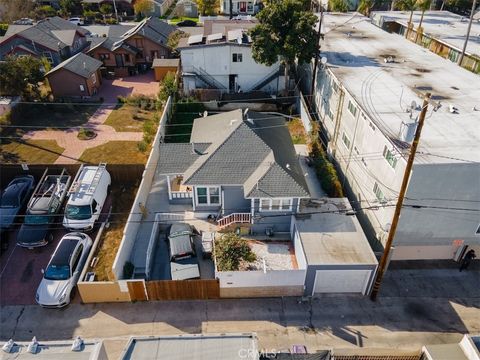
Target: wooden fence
x=120, y=173
x=183, y=290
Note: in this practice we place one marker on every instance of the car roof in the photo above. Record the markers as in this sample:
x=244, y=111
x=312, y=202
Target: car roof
x=64, y=251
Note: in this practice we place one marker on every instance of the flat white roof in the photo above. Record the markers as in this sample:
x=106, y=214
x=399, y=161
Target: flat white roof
x=355, y=50
x=332, y=238
x=441, y=25
x=192, y=347
x=56, y=350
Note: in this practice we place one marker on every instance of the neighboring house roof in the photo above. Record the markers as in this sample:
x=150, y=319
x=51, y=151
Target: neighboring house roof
x=165, y=63
x=235, y=148
x=330, y=237
x=80, y=64
x=54, y=33
x=113, y=37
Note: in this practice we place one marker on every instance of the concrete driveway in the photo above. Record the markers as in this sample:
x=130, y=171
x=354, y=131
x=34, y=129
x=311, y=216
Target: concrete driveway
x=110, y=90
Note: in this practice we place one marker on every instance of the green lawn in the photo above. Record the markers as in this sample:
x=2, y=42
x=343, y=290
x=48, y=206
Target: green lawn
x=31, y=152
x=129, y=118
x=182, y=122
x=116, y=152
x=176, y=20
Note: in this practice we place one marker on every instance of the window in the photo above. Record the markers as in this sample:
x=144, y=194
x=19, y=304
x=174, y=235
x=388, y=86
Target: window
x=346, y=140
x=249, y=7
x=48, y=56
x=94, y=206
x=352, y=108
x=104, y=56
x=127, y=57
x=140, y=55
x=82, y=88
x=371, y=126
x=378, y=192
x=208, y=195
x=390, y=157
x=335, y=86
x=276, y=204
x=237, y=57
x=330, y=114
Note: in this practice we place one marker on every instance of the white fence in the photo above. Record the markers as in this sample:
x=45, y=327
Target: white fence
x=305, y=114
x=135, y=217
x=181, y=194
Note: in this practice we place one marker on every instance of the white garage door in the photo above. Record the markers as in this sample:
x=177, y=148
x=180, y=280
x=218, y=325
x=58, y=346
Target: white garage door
x=341, y=281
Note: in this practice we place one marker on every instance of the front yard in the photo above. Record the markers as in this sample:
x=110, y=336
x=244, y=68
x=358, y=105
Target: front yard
x=129, y=118
x=116, y=152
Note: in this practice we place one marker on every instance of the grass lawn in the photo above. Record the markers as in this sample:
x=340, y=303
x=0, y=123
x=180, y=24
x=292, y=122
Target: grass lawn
x=129, y=118
x=111, y=237
x=117, y=152
x=182, y=119
x=297, y=131
x=176, y=20
x=41, y=116
x=31, y=151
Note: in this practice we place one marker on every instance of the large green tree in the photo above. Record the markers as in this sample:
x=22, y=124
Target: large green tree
x=231, y=250
x=207, y=7
x=286, y=31
x=20, y=76
x=365, y=6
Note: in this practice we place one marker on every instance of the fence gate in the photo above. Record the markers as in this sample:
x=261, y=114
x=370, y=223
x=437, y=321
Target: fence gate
x=183, y=289
x=136, y=290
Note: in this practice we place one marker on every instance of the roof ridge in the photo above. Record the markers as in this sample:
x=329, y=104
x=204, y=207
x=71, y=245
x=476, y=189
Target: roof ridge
x=291, y=177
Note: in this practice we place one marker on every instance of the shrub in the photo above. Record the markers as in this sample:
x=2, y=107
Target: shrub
x=128, y=269
x=142, y=146
x=111, y=21
x=231, y=250
x=3, y=29
x=168, y=87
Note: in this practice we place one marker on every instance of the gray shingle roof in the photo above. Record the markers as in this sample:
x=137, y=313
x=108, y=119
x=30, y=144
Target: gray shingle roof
x=175, y=158
x=49, y=32
x=79, y=64
x=247, y=152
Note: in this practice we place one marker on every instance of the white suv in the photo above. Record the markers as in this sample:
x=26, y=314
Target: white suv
x=63, y=270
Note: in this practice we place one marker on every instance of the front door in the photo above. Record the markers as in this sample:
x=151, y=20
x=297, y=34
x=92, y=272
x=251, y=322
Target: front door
x=232, y=81
x=119, y=60
x=243, y=6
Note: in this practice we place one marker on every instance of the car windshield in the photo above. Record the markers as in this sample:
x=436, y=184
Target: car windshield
x=74, y=212
x=9, y=199
x=57, y=272
x=36, y=220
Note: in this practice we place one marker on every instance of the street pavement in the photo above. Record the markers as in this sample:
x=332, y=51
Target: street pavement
x=415, y=307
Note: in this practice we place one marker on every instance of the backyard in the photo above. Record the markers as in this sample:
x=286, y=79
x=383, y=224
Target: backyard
x=116, y=152
x=179, y=128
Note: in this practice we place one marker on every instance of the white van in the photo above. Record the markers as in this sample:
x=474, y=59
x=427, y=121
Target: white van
x=86, y=197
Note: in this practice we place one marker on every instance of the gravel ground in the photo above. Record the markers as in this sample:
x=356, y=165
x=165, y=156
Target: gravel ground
x=278, y=256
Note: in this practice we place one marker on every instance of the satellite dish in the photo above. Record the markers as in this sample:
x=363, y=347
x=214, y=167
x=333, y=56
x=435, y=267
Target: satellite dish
x=323, y=60
x=413, y=105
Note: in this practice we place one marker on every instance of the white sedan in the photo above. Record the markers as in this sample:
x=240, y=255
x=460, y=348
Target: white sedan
x=63, y=270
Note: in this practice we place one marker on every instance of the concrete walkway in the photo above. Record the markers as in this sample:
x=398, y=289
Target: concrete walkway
x=111, y=89
x=313, y=183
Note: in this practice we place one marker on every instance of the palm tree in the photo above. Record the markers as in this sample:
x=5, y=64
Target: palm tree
x=365, y=6
x=423, y=5
x=408, y=5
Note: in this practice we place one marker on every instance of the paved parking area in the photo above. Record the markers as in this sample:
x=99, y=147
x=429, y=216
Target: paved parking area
x=20, y=268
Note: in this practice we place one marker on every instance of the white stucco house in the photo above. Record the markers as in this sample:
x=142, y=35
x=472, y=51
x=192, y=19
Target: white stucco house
x=221, y=58
x=368, y=97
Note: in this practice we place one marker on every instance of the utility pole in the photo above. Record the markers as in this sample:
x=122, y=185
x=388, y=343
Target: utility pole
x=460, y=59
x=319, y=35
x=115, y=8
x=382, y=267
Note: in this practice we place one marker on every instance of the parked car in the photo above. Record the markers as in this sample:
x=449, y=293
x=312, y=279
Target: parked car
x=13, y=199
x=183, y=263
x=76, y=21
x=63, y=270
x=45, y=203
x=189, y=23
x=24, y=21
x=86, y=198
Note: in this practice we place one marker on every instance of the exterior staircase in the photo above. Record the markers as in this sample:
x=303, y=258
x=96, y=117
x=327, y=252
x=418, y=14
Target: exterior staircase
x=235, y=218
x=267, y=79
x=208, y=79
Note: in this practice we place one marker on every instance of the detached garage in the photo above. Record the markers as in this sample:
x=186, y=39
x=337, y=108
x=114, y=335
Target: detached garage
x=333, y=247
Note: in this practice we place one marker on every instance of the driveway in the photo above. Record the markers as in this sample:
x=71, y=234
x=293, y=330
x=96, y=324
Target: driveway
x=110, y=90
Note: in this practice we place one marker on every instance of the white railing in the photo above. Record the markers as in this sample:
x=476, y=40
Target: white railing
x=151, y=246
x=181, y=194
x=235, y=218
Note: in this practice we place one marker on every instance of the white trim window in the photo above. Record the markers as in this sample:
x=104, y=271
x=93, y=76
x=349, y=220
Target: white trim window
x=346, y=141
x=48, y=55
x=352, y=108
x=207, y=195
x=237, y=57
x=378, y=193
x=390, y=157
x=276, y=204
